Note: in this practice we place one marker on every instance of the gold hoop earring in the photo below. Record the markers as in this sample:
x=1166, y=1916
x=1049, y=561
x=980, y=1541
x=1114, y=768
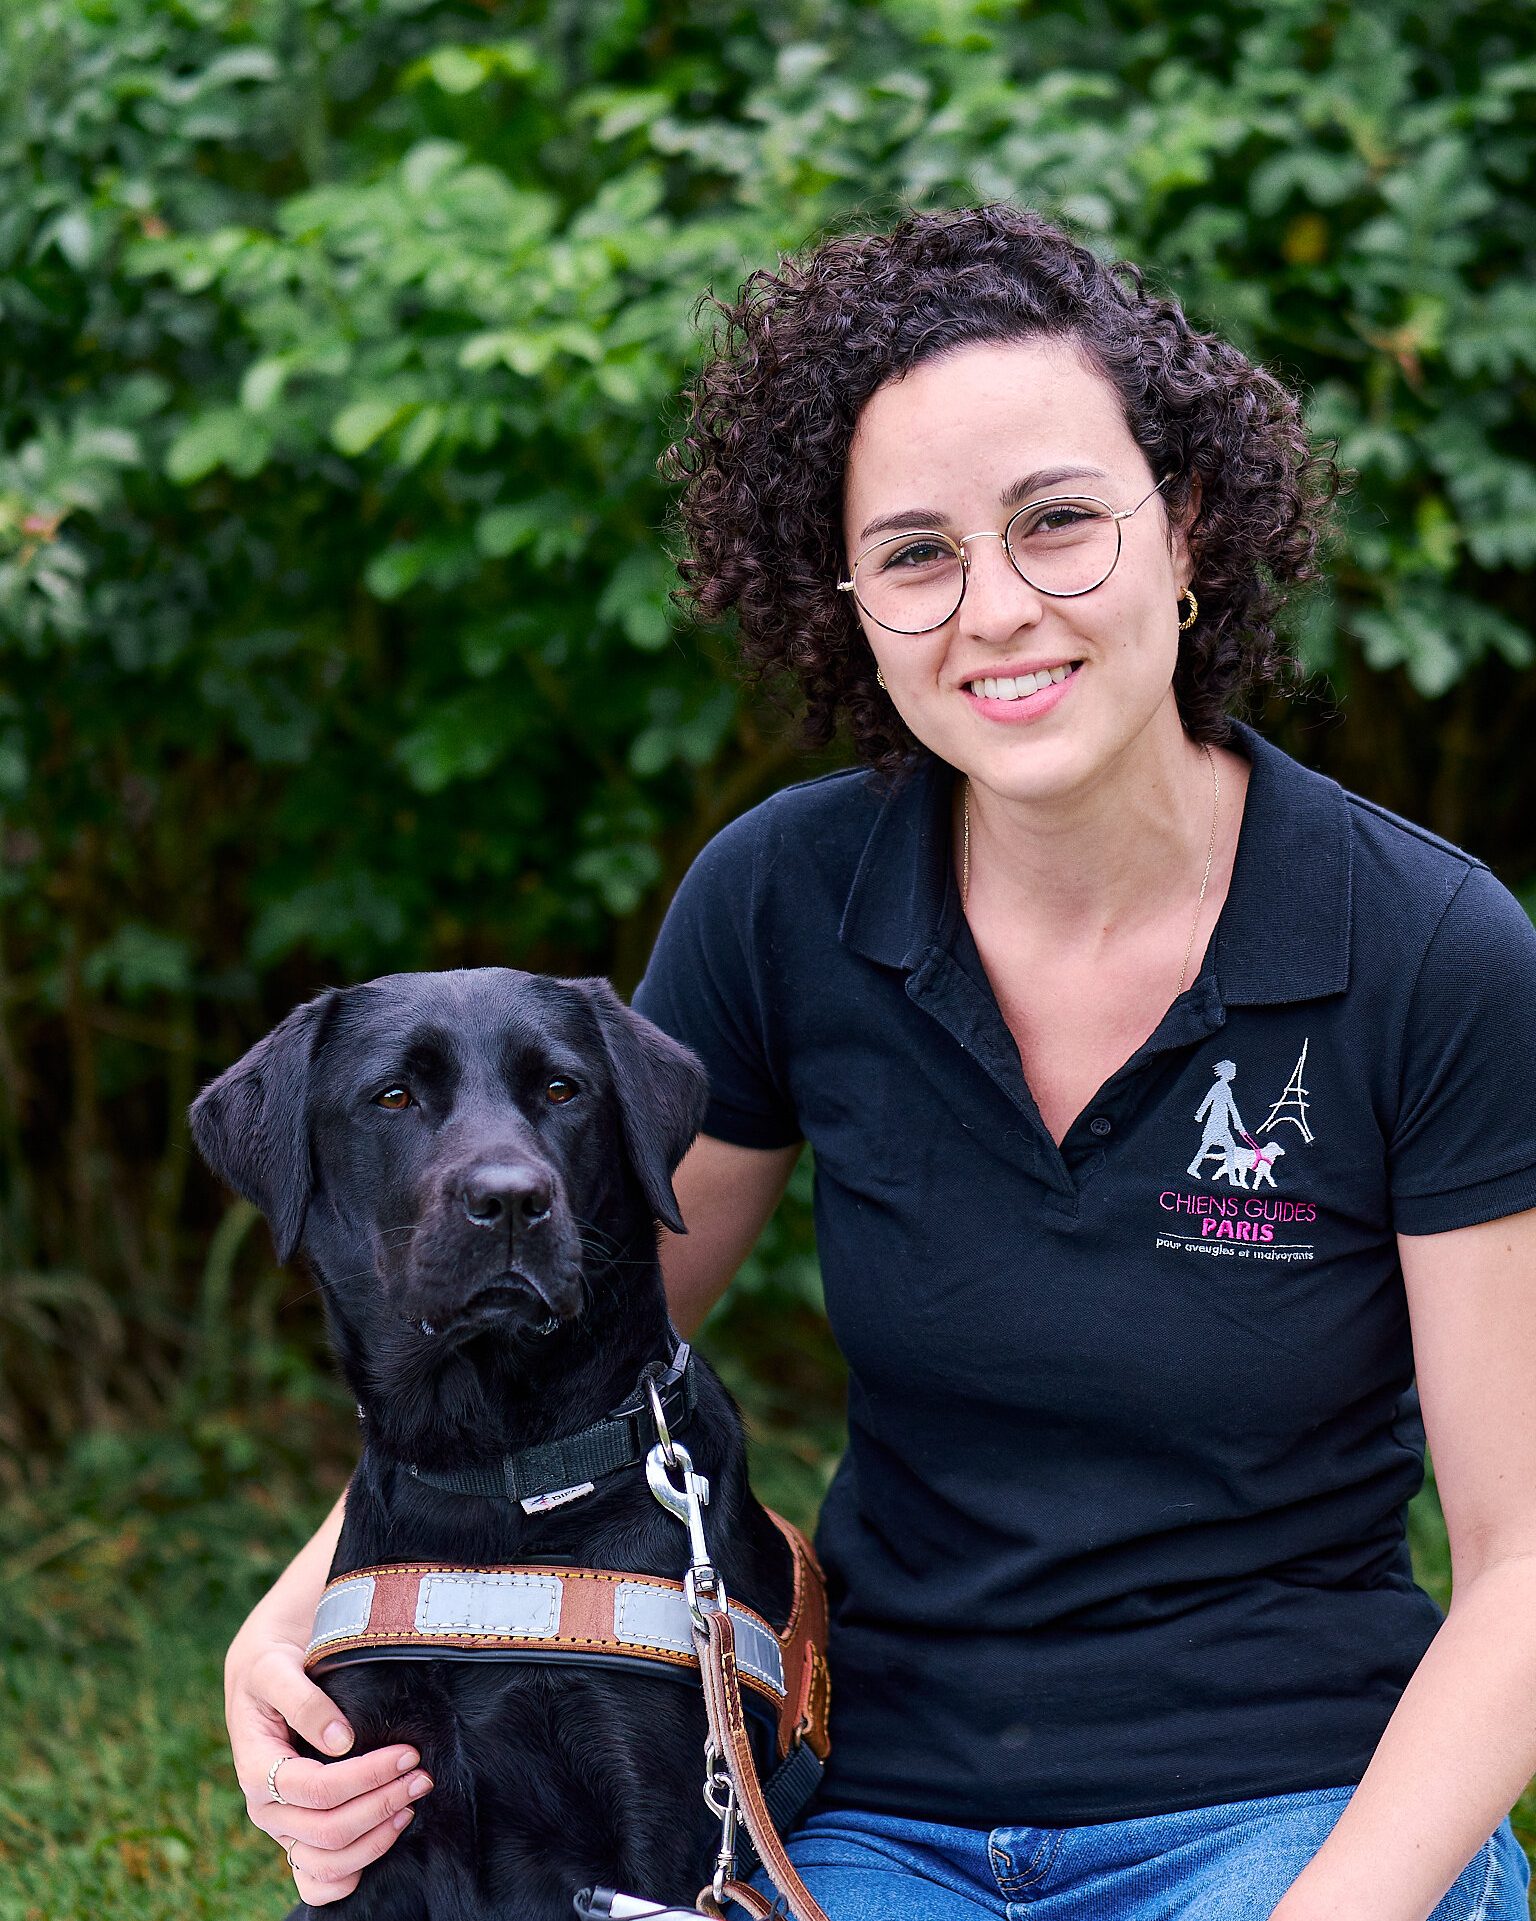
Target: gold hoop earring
x=1194, y=609
x=881, y=679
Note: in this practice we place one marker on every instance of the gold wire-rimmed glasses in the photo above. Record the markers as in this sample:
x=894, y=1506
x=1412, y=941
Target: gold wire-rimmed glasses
x=1062, y=545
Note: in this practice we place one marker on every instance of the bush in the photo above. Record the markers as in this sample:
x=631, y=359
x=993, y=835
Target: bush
x=340, y=342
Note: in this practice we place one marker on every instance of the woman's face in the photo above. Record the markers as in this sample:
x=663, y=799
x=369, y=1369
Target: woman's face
x=961, y=441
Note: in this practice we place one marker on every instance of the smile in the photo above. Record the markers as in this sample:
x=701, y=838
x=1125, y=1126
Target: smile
x=1021, y=687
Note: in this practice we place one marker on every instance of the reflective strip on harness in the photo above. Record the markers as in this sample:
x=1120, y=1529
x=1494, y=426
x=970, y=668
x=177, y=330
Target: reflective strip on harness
x=487, y=1603
x=647, y=1615
x=343, y=1609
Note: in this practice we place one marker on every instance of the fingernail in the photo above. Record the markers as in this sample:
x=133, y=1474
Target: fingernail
x=406, y=1762
x=417, y=1787
x=405, y=1814
x=337, y=1737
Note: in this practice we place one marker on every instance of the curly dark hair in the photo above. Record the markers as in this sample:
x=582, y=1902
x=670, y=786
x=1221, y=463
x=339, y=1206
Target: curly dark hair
x=772, y=413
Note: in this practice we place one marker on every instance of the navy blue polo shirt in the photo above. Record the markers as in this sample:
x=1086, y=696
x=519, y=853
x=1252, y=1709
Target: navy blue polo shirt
x=1120, y=1525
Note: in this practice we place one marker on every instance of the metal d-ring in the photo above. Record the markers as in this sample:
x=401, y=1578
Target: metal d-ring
x=658, y=1415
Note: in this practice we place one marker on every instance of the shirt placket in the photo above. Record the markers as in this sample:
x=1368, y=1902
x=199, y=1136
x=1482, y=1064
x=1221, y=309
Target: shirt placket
x=942, y=988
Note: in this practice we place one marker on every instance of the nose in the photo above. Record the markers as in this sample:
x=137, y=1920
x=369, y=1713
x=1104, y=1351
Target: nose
x=506, y=1194
x=997, y=596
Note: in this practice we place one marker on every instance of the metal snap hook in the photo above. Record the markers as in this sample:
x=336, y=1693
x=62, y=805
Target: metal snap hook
x=701, y=1584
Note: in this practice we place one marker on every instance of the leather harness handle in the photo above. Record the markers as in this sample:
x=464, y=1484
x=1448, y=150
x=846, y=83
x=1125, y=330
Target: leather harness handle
x=716, y=1644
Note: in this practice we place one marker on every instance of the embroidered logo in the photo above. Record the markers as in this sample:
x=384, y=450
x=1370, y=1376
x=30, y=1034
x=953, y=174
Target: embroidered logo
x=1231, y=1155
x=1252, y=1164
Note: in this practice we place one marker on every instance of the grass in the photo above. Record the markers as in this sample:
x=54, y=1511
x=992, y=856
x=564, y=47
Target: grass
x=124, y=1578
x=124, y=1573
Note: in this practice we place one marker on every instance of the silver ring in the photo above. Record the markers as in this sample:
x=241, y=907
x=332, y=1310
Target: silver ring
x=658, y=1415
x=272, y=1787
x=289, y=1852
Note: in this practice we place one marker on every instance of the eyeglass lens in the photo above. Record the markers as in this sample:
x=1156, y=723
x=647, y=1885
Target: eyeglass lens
x=913, y=582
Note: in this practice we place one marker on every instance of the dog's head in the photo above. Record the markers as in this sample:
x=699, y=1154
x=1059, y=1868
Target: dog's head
x=457, y=1153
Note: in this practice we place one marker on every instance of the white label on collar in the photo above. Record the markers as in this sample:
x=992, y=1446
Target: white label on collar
x=540, y=1503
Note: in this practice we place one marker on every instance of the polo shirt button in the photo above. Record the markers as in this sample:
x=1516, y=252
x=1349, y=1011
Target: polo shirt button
x=1101, y=1126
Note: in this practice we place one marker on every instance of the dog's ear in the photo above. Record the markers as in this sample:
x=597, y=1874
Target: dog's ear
x=251, y=1125
x=662, y=1090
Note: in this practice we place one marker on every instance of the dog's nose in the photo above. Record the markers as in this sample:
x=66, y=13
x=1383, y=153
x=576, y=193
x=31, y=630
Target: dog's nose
x=513, y=1196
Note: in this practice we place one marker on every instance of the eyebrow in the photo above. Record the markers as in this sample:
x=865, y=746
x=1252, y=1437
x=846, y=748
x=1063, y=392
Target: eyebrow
x=912, y=519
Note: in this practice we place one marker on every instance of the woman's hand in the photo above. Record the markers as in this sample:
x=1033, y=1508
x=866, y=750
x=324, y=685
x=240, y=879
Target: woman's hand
x=335, y=1816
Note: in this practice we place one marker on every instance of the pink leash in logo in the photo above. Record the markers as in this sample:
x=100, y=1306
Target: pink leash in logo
x=1258, y=1152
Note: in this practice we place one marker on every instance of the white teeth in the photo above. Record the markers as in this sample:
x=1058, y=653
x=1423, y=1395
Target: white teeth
x=1021, y=686
x=428, y=1328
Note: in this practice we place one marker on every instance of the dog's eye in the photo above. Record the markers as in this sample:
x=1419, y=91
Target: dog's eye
x=394, y=1098
x=560, y=1090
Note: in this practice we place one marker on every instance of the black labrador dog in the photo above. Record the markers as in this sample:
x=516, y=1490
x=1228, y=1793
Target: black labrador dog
x=473, y=1164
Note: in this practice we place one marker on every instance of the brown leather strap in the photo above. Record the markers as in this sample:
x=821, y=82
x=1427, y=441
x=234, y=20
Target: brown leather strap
x=742, y=1895
x=804, y=1641
x=716, y=1643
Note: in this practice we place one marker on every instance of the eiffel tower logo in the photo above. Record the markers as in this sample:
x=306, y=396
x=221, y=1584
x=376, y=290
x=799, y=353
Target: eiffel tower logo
x=1294, y=1098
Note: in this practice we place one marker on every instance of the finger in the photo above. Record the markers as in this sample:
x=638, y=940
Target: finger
x=382, y=1778
x=276, y=1680
x=258, y=1736
x=337, y=1872
x=332, y=1830
x=318, y=1893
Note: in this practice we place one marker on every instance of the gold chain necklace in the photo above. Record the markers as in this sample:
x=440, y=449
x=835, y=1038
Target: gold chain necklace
x=1210, y=855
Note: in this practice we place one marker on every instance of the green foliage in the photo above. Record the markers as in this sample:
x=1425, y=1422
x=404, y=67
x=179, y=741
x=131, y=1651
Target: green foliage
x=341, y=337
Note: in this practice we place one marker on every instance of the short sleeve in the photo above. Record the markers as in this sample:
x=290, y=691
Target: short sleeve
x=1464, y=1146
x=704, y=985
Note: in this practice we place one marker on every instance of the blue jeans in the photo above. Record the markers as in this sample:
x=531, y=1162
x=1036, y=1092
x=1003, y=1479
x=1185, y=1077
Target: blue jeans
x=1231, y=1862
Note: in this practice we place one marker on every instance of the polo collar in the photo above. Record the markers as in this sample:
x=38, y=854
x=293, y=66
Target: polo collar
x=1284, y=930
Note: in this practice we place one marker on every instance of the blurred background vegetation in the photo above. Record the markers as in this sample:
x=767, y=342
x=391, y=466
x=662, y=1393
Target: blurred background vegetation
x=338, y=340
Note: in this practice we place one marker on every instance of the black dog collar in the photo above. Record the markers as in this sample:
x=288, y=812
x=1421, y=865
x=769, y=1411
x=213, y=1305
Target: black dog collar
x=555, y=1472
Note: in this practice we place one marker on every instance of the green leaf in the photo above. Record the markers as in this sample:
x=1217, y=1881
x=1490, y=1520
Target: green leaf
x=421, y=433
x=262, y=384
x=138, y=961
x=395, y=571
x=356, y=428
x=429, y=162
x=456, y=69
x=464, y=738
x=227, y=437
x=636, y=597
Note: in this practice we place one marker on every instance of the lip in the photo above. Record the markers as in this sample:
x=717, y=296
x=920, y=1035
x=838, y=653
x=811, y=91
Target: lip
x=1020, y=712
x=510, y=1293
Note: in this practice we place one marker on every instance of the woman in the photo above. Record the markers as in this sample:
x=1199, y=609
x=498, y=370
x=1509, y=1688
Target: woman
x=1170, y=1109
